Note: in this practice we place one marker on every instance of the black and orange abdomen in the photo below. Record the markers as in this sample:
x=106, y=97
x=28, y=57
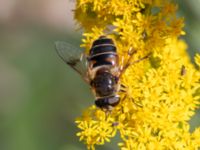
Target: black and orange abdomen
x=103, y=52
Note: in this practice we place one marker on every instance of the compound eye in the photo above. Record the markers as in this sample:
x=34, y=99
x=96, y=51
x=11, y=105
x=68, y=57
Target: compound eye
x=106, y=102
x=113, y=101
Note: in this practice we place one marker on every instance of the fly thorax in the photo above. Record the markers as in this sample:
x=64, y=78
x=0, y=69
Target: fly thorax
x=104, y=84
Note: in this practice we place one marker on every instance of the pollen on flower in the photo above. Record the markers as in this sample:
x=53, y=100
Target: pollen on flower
x=162, y=92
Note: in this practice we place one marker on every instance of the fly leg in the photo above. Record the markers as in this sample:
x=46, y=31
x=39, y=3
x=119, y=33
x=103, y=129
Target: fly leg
x=123, y=88
x=127, y=95
x=131, y=53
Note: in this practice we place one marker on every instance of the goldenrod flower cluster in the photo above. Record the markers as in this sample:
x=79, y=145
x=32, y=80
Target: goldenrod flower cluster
x=162, y=92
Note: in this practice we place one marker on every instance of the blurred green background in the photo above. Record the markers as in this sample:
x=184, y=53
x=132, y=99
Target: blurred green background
x=40, y=96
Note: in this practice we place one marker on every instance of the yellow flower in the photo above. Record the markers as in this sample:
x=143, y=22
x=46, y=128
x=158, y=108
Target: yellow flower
x=197, y=60
x=162, y=92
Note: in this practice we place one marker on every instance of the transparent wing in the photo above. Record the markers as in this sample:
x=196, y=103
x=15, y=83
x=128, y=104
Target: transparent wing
x=73, y=56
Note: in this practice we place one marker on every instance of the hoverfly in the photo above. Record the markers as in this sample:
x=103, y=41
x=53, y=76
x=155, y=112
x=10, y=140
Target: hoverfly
x=100, y=68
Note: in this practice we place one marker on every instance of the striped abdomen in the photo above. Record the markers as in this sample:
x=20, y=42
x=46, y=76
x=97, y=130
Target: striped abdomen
x=103, y=52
